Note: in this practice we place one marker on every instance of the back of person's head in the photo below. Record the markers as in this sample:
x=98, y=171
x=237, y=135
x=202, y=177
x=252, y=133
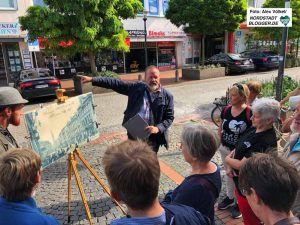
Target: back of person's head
x=201, y=142
x=267, y=108
x=254, y=86
x=18, y=173
x=133, y=173
x=274, y=180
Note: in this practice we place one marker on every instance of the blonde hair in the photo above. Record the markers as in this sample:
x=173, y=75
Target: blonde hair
x=254, y=86
x=242, y=90
x=18, y=171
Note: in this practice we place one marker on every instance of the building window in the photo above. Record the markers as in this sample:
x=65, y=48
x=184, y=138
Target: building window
x=165, y=5
x=153, y=7
x=39, y=2
x=8, y=5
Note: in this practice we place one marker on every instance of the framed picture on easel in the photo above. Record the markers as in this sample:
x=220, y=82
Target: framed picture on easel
x=57, y=129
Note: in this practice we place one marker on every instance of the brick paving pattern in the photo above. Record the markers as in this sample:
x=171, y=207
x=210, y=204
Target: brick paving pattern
x=52, y=195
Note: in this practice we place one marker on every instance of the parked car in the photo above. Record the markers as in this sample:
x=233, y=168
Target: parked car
x=231, y=62
x=39, y=82
x=262, y=59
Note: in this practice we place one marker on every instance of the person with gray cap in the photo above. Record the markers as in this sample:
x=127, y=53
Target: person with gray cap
x=11, y=109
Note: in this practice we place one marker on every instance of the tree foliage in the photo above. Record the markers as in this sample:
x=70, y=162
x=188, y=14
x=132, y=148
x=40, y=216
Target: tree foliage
x=275, y=33
x=207, y=16
x=90, y=24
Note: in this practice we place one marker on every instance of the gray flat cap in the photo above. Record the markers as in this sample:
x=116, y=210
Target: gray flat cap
x=10, y=96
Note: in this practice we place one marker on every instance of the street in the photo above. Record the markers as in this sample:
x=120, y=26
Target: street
x=193, y=103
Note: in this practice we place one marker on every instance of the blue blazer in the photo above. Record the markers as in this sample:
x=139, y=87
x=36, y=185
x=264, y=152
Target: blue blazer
x=163, y=106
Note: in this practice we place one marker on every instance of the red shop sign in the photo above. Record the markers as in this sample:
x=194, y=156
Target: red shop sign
x=165, y=44
x=127, y=41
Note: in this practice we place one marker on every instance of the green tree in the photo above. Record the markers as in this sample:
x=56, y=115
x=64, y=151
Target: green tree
x=275, y=33
x=207, y=17
x=90, y=25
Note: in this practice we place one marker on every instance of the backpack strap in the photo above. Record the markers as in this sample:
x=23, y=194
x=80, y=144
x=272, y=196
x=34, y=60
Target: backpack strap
x=169, y=216
x=226, y=109
x=248, y=114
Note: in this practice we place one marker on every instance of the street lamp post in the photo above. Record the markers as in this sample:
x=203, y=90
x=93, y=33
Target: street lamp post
x=279, y=80
x=145, y=13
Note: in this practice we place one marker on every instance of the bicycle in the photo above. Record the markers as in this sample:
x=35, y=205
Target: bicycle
x=220, y=104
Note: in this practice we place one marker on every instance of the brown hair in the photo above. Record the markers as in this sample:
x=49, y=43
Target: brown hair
x=133, y=173
x=201, y=142
x=275, y=180
x=254, y=86
x=242, y=90
x=18, y=171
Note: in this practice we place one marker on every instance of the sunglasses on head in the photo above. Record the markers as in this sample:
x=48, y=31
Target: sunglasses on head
x=239, y=86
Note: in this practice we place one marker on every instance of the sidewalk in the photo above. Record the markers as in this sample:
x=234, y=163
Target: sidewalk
x=166, y=78
x=52, y=195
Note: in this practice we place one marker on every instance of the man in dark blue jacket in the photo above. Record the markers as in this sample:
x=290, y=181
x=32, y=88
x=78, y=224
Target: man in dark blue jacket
x=148, y=99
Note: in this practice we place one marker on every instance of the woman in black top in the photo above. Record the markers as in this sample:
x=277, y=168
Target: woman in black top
x=235, y=121
x=260, y=138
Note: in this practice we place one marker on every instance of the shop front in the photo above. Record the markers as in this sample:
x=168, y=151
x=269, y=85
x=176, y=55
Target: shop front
x=164, y=44
x=11, y=61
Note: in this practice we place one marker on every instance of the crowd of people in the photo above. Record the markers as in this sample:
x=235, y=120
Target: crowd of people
x=262, y=184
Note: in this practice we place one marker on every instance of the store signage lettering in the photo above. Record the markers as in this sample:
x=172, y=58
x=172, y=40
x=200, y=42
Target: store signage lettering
x=9, y=28
x=136, y=32
x=157, y=33
x=166, y=33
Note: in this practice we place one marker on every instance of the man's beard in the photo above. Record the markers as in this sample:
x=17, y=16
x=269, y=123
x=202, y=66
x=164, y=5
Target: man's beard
x=14, y=120
x=153, y=87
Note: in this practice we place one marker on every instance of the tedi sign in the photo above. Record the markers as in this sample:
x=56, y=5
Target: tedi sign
x=269, y=17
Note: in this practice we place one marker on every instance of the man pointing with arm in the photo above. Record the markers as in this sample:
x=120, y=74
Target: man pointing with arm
x=148, y=99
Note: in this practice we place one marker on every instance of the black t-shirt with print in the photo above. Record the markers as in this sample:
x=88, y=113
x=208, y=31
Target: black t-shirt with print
x=234, y=127
x=251, y=143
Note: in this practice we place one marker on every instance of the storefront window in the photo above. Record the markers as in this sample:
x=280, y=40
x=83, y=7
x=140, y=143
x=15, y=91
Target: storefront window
x=153, y=7
x=14, y=58
x=166, y=55
x=165, y=5
x=8, y=4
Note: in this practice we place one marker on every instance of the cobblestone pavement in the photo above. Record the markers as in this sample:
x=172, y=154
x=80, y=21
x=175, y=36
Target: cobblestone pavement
x=52, y=195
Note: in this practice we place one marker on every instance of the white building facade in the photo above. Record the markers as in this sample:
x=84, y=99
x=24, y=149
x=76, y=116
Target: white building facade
x=14, y=54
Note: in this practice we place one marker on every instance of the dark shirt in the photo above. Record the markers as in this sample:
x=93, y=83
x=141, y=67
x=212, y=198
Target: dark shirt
x=162, y=106
x=250, y=143
x=192, y=193
x=233, y=127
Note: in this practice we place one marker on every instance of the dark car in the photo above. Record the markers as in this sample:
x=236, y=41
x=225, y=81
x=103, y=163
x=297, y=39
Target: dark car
x=34, y=83
x=233, y=63
x=262, y=59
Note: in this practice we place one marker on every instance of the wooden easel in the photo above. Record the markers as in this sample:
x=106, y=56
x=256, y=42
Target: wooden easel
x=72, y=166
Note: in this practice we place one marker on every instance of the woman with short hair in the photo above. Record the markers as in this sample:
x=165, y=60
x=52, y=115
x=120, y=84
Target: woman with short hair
x=255, y=89
x=261, y=138
x=202, y=187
